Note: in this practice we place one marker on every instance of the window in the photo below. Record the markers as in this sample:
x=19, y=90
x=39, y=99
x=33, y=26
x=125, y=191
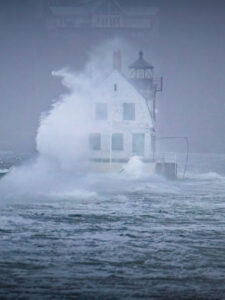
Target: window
x=138, y=143
x=117, y=141
x=129, y=111
x=95, y=141
x=101, y=111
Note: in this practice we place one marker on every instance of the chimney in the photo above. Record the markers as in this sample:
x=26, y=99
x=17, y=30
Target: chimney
x=117, y=62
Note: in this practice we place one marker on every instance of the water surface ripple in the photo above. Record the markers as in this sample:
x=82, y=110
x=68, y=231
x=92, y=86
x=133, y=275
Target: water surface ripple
x=142, y=243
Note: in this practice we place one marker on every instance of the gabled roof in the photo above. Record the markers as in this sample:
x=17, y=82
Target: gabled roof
x=87, y=7
x=123, y=84
x=124, y=91
x=106, y=6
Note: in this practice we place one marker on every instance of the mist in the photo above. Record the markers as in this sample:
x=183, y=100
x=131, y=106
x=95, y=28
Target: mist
x=187, y=50
x=112, y=149
x=61, y=165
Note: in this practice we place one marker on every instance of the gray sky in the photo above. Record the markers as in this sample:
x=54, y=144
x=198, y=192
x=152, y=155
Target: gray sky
x=190, y=55
x=193, y=65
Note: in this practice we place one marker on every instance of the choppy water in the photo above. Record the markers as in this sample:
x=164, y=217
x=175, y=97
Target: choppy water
x=147, y=238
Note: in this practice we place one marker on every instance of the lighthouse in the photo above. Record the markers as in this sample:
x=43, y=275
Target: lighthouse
x=141, y=76
x=123, y=113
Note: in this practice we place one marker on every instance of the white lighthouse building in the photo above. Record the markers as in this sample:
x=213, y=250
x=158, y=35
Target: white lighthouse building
x=124, y=116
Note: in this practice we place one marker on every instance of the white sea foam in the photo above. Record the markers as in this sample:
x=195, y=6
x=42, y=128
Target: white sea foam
x=62, y=137
x=206, y=176
x=75, y=194
x=134, y=168
x=61, y=167
x=2, y=171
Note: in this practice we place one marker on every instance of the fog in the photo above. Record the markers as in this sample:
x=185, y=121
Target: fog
x=62, y=167
x=188, y=51
x=90, y=207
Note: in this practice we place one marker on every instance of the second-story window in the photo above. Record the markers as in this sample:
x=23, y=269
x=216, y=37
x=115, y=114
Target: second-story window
x=128, y=111
x=117, y=141
x=101, y=111
x=95, y=141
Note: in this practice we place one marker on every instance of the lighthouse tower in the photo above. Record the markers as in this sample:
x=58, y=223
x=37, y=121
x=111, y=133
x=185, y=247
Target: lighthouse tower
x=124, y=120
x=141, y=75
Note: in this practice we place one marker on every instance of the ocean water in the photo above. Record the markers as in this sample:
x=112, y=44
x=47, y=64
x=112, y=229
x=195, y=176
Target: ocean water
x=118, y=238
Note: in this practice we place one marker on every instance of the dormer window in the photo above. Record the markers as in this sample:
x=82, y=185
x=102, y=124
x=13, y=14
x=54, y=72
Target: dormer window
x=128, y=111
x=101, y=111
